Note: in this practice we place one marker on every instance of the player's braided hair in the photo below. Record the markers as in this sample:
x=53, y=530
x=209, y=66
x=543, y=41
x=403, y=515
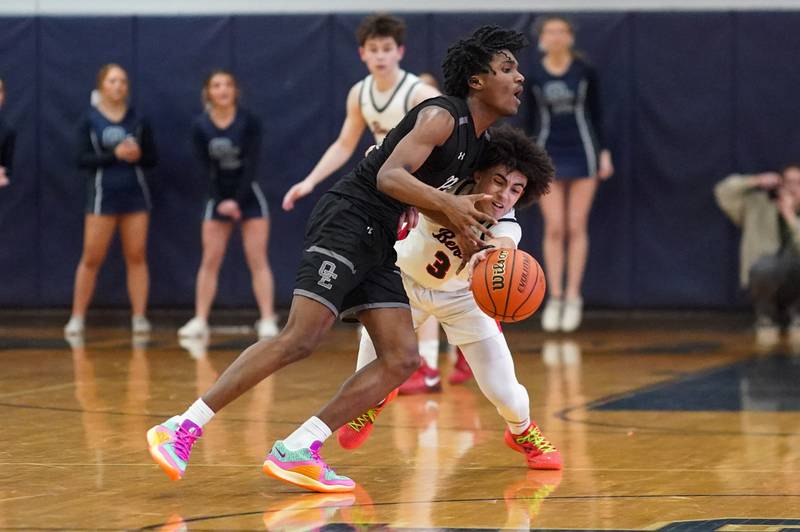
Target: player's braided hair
x=510, y=147
x=472, y=55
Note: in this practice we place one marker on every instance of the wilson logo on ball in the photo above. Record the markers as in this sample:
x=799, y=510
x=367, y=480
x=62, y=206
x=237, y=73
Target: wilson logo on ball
x=499, y=271
x=508, y=285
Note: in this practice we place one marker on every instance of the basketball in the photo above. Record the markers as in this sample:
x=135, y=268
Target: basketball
x=509, y=285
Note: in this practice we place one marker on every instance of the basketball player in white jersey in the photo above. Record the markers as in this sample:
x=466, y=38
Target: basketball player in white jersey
x=513, y=170
x=378, y=102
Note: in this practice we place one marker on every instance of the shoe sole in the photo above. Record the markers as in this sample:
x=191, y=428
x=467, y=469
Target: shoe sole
x=272, y=470
x=152, y=443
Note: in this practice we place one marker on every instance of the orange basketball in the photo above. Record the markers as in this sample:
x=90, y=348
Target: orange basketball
x=509, y=285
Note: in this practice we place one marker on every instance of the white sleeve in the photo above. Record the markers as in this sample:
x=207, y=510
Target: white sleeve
x=508, y=228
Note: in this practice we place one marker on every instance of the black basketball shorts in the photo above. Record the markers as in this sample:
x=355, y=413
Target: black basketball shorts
x=348, y=261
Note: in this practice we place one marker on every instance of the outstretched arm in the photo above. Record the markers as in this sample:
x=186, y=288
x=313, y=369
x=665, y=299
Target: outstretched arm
x=337, y=153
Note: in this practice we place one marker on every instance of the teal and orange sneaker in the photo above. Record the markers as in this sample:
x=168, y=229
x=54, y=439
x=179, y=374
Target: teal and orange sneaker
x=354, y=433
x=171, y=444
x=539, y=453
x=305, y=468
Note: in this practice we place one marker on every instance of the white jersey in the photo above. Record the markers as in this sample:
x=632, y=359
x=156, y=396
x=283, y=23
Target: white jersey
x=430, y=255
x=383, y=110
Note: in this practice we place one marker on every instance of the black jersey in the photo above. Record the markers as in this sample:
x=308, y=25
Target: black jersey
x=230, y=154
x=448, y=164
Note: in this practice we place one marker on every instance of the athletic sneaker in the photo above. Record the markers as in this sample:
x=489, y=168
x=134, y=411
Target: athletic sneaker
x=171, y=444
x=425, y=380
x=195, y=328
x=551, y=315
x=267, y=328
x=572, y=314
x=305, y=468
x=461, y=371
x=140, y=325
x=540, y=453
x=75, y=326
x=352, y=434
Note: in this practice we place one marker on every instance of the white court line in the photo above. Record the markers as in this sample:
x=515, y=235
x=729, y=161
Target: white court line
x=35, y=390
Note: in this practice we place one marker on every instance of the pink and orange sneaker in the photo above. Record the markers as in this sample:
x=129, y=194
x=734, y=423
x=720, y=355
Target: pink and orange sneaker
x=461, y=371
x=425, y=380
x=540, y=453
x=305, y=468
x=170, y=445
x=354, y=433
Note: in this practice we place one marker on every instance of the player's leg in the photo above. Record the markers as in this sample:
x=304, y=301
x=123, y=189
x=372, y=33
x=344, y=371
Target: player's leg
x=215, y=237
x=171, y=442
x=133, y=235
x=553, y=207
x=493, y=367
x=579, y=204
x=486, y=350
x=296, y=459
x=255, y=237
x=356, y=431
x=97, y=234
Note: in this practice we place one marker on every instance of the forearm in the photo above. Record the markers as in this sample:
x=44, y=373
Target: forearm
x=334, y=158
x=404, y=187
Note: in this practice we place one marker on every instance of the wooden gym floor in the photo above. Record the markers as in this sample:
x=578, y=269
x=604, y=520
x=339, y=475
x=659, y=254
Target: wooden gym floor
x=665, y=422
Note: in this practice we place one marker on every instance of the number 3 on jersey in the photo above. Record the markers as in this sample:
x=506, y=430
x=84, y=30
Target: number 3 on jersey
x=440, y=267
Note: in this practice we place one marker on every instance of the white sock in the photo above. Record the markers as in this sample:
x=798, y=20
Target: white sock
x=314, y=429
x=518, y=427
x=199, y=413
x=429, y=351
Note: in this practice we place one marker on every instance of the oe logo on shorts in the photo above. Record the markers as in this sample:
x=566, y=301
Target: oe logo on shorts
x=326, y=274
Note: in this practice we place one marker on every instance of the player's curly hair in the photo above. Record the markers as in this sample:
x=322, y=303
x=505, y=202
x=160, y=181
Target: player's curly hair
x=472, y=55
x=511, y=147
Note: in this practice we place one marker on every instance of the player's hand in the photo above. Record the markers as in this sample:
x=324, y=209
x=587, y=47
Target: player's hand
x=476, y=258
x=606, y=168
x=408, y=220
x=767, y=180
x=299, y=190
x=230, y=209
x=467, y=221
x=3, y=177
x=128, y=150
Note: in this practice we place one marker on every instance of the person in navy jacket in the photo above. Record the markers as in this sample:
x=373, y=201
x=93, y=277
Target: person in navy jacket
x=114, y=146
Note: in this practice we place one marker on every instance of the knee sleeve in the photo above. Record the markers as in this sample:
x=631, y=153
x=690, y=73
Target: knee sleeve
x=493, y=367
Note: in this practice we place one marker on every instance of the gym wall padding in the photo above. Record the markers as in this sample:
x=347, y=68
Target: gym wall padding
x=689, y=97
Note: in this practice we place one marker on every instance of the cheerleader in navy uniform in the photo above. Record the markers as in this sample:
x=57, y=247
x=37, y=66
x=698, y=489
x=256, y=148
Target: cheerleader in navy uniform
x=114, y=145
x=6, y=142
x=566, y=120
x=227, y=140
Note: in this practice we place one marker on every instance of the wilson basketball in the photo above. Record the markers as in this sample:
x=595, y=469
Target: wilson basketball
x=509, y=285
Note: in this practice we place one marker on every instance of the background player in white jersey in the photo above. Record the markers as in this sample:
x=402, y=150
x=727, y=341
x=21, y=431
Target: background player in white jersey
x=514, y=171
x=377, y=102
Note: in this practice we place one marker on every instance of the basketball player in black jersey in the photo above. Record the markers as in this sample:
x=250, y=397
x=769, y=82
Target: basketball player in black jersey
x=348, y=266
